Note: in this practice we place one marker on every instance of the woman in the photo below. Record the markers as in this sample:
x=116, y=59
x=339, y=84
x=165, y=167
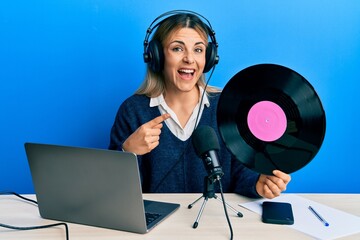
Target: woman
x=156, y=122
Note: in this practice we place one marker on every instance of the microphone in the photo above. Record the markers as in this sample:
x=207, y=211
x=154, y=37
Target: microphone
x=206, y=145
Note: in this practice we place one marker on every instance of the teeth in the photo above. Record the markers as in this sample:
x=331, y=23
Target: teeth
x=186, y=70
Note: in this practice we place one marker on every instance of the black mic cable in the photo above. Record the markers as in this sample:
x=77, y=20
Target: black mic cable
x=32, y=227
x=225, y=210
x=187, y=145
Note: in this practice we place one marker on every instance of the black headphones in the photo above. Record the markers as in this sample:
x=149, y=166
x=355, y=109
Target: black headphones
x=153, y=50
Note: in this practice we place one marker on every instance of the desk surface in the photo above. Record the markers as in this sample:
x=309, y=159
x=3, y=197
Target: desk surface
x=212, y=225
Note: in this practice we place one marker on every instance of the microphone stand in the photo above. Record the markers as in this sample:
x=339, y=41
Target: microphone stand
x=209, y=192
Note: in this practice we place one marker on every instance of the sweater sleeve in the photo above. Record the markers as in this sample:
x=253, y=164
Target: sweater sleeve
x=244, y=179
x=126, y=122
x=121, y=128
x=132, y=113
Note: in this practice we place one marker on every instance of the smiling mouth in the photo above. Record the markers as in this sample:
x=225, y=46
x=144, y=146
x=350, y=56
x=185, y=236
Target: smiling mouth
x=186, y=72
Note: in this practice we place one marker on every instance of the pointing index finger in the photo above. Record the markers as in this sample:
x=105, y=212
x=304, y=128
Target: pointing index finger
x=159, y=119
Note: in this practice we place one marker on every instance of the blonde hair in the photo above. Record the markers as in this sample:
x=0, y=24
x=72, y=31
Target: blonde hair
x=154, y=83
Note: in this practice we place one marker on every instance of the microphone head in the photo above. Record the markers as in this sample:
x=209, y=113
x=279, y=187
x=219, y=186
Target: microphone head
x=205, y=139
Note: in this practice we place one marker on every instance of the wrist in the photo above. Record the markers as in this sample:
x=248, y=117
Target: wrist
x=124, y=147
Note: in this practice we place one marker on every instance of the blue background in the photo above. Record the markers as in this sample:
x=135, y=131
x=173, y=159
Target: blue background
x=66, y=65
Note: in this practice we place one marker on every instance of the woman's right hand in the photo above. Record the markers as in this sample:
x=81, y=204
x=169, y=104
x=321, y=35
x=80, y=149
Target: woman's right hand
x=146, y=137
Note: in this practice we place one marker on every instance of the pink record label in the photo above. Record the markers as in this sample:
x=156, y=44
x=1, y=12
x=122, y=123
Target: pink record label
x=267, y=121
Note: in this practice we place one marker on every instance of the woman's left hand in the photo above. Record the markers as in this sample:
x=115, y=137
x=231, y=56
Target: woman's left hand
x=271, y=186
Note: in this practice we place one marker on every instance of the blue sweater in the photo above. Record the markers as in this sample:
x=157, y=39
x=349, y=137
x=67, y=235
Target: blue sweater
x=173, y=166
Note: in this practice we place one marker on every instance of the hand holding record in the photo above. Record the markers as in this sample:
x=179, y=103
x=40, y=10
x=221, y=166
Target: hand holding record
x=269, y=186
x=270, y=117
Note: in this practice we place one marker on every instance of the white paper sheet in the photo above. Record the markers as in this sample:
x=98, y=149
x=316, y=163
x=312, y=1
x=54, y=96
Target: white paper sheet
x=340, y=223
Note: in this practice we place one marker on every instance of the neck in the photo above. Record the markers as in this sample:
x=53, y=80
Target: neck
x=183, y=98
x=183, y=104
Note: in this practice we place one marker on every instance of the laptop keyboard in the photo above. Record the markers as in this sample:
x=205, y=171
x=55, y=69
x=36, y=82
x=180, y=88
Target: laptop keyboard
x=150, y=217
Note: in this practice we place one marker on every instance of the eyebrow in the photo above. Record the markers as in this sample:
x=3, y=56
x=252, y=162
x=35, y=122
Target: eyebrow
x=181, y=42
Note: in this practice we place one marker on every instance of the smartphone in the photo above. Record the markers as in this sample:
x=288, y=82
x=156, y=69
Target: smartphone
x=277, y=213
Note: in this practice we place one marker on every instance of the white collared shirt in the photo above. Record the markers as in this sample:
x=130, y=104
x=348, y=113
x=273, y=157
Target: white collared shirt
x=173, y=123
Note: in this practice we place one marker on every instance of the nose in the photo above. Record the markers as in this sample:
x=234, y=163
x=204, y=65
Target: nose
x=189, y=58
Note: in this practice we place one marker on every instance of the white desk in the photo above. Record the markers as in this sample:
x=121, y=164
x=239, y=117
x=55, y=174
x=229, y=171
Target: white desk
x=212, y=225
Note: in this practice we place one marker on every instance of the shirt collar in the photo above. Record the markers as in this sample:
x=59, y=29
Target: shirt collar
x=156, y=101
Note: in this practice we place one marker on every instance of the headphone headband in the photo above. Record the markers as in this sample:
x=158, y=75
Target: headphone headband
x=173, y=12
x=153, y=53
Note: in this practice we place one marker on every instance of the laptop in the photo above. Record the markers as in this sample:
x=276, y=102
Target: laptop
x=95, y=187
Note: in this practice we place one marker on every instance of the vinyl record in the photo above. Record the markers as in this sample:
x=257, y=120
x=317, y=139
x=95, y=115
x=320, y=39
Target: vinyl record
x=270, y=117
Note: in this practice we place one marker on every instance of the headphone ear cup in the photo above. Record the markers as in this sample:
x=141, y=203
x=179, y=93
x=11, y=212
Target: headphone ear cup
x=155, y=56
x=211, y=57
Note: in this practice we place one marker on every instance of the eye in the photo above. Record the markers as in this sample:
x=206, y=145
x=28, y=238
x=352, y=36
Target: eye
x=177, y=49
x=199, y=50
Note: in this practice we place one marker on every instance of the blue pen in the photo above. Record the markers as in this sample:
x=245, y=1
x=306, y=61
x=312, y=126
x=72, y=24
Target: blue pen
x=326, y=224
